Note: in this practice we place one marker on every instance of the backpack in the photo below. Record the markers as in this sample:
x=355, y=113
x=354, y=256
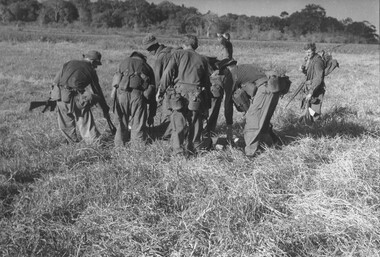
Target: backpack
x=329, y=63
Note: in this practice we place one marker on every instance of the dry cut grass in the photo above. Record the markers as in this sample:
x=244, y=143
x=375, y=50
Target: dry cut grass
x=317, y=195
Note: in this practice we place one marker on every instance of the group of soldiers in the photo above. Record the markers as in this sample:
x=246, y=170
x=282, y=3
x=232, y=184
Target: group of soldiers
x=191, y=88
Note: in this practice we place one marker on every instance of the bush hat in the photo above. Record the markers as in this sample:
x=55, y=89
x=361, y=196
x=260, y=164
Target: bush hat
x=94, y=56
x=149, y=40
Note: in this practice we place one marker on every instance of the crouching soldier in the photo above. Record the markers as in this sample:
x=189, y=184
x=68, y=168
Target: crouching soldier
x=133, y=90
x=188, y=72
x=251, y=91
x=74, y=102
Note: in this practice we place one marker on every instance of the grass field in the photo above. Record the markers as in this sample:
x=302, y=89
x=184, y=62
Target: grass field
x=318, y=195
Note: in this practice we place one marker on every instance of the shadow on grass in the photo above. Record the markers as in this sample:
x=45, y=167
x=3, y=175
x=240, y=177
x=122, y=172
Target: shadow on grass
x=337, y=122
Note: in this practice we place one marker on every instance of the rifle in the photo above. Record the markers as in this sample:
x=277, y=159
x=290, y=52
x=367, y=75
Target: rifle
x=48, y=104
x=299, y=88
x=110, y=124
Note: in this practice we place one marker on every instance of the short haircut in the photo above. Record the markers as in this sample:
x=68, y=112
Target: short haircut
x=310, y=46
x=190, y=40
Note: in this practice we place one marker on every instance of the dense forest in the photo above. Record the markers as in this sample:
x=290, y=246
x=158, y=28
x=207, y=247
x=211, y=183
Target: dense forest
x=311, y=23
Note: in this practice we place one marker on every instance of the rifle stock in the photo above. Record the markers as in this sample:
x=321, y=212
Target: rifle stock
x=48, y=104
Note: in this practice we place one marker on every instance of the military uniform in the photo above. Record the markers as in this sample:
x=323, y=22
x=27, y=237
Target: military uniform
x=74, y=102
x=162, y=56
x=137, y=77
x=188, y=72
x=314, y=69
x=259, y=109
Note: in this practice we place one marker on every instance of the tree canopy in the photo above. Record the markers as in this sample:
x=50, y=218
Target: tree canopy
x=167, y=17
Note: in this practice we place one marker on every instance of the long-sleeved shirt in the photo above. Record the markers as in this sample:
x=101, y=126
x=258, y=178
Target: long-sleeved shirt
x=185, y=66
x=315, y=73
x=162, y=57
x=233, y=80
x=78, y=74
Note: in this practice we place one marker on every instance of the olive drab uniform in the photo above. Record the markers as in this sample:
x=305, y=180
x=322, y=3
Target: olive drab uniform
x=74, y=102
x=216, y=97
x=314, y=69
x=162, y=57
x=251, y=91
x=188, y=72
x=135, y=90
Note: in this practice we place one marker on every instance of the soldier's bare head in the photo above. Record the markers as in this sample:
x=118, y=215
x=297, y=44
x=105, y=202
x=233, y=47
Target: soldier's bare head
x=190, y=42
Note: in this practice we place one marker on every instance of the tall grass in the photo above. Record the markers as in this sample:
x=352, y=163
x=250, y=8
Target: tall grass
x=317, y=195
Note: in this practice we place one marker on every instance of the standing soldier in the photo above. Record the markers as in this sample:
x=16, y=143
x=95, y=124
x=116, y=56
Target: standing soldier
x=226, y=46
x=162, y=55
x=251, y=91
x=135, y=88
x=314, y=69
x=74, y=102
x=188, y=72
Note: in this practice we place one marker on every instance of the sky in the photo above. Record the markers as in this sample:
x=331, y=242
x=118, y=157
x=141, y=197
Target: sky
x=357, y=10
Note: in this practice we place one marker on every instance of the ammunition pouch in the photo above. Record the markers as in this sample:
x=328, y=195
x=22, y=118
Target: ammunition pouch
x=87, y=100
x=241, y=100
x=135, y=80
x=194, y=102
x=149, y=92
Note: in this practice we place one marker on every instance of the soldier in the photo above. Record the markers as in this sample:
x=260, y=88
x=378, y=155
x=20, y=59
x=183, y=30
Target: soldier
x=251, y=91
x=314, y=69
x=227, y=49
x=74, y=102
x=188, y=72
x=162, y=55
x=135, y=89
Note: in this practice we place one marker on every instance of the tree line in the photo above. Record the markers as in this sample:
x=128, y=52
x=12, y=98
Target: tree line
x=311, y=23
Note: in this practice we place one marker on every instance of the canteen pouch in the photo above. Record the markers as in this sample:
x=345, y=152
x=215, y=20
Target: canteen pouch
x=194, y=102
x=241, y=100
x=250, y=88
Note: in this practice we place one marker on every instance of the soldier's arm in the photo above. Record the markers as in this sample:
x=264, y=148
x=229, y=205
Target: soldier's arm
x=168, y=74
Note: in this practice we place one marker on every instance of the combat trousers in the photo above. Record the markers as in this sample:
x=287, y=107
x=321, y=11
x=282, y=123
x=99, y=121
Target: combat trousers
x=316, y=106
x=213, y=114
x=70, y=116
x=258, y=128
x=186, y=124
x=132, y=108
